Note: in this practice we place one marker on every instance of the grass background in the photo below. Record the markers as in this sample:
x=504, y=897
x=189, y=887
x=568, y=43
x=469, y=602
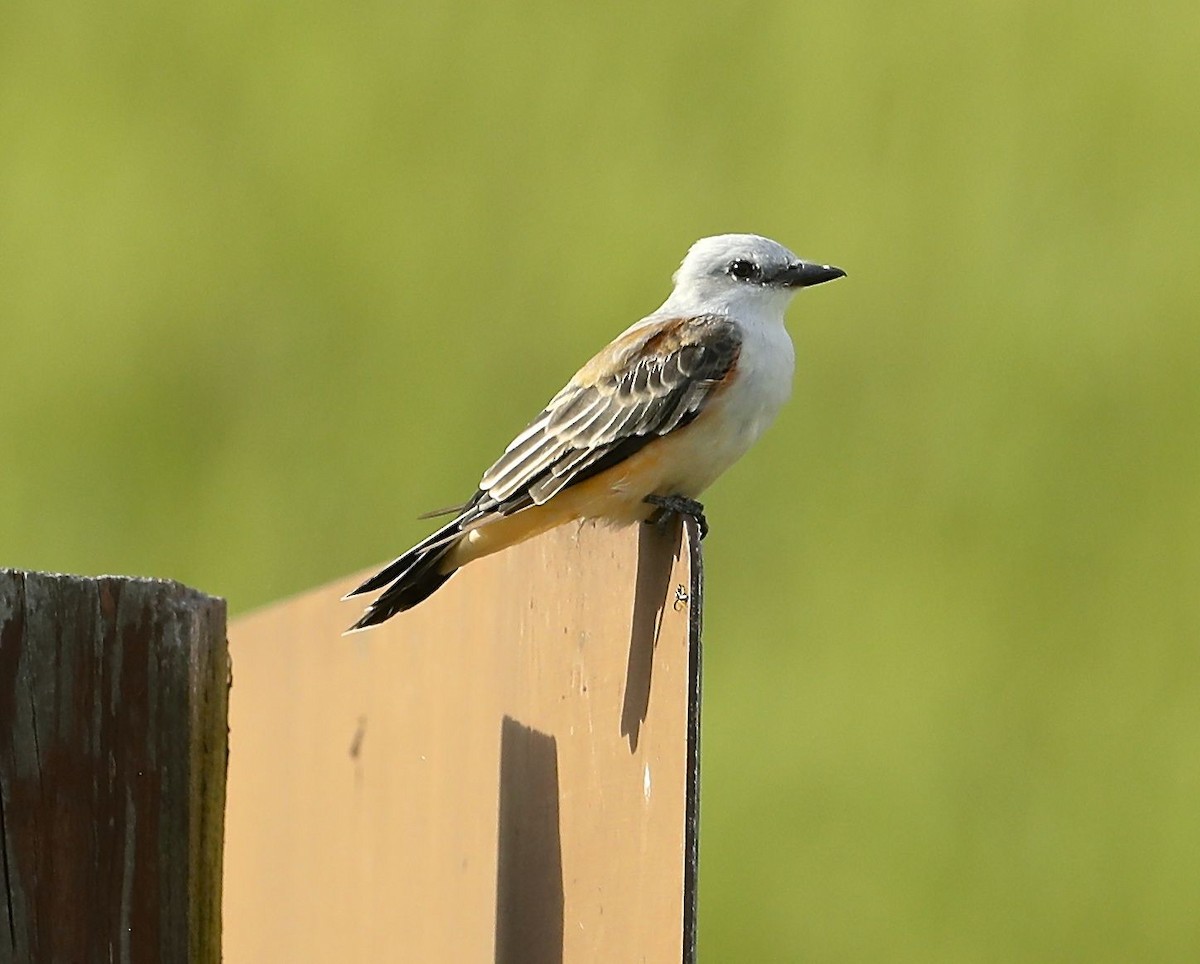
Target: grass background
x=275, y=278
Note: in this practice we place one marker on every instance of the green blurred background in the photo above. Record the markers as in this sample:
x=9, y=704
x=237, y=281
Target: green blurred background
x=274, y=278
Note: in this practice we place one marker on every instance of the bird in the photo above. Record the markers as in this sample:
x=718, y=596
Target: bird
x=642, y=429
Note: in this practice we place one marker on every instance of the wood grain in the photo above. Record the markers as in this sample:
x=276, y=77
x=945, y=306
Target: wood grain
x=112, y=769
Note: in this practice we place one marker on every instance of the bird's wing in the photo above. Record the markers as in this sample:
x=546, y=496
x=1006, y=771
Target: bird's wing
x=653, y=379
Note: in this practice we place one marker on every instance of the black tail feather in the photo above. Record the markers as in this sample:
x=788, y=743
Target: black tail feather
x=403, y=595
x=412, y=583
x=396, y=569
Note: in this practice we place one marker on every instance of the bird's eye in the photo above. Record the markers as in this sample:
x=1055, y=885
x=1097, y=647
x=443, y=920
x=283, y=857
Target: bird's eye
x=744, y=270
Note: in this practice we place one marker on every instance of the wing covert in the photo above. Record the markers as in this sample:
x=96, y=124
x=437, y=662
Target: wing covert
x=654, y=379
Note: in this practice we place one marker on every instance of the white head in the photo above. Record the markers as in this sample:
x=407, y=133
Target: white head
x=742, y=275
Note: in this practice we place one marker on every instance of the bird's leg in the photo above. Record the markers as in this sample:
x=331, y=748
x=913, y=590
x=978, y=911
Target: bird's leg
x=669, y=505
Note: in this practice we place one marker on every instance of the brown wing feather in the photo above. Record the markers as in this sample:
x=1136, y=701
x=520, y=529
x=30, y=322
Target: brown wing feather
x=652, y=380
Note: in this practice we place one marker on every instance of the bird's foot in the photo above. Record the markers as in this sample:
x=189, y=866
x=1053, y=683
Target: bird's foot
x=669, y=505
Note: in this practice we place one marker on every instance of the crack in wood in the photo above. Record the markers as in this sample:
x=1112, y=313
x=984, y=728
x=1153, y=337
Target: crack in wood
x=8, y=889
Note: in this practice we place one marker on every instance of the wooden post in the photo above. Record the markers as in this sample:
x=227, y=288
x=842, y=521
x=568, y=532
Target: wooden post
x=113, y=696
x=506, y=773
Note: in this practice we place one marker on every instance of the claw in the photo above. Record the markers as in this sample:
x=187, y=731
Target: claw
x=670, y=505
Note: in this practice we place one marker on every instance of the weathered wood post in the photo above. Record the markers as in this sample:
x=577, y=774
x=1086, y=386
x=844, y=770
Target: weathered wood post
x=113, y=745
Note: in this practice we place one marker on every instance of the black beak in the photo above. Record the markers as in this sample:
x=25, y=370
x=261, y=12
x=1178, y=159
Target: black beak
x=805, y=274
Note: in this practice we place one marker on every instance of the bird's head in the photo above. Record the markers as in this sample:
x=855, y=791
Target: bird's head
x=732, y=273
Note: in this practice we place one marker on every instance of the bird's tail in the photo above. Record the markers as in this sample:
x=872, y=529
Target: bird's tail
x=410, y=579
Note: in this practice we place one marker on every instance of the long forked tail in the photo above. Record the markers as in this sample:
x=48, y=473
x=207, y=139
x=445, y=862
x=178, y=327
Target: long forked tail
x=410, y=579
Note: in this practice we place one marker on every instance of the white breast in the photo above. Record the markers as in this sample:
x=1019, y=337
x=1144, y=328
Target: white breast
x=739, y=415
x=764, y=377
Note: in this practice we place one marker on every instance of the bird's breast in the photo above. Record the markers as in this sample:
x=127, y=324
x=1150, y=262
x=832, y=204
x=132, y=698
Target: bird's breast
x=738, y=414
x=762, y=382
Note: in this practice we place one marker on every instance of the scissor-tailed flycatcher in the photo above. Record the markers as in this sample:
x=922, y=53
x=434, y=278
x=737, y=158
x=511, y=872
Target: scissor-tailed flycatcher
x=642, y=428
